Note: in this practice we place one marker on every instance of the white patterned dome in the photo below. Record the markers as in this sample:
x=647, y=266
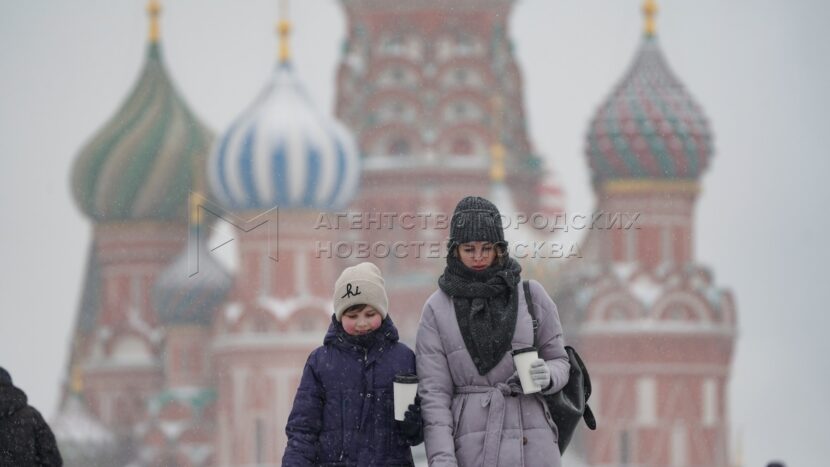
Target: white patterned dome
x=282, y=152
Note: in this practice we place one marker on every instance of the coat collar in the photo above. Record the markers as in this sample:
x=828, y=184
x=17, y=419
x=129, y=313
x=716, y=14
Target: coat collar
x=12, y=399
x=378, y=341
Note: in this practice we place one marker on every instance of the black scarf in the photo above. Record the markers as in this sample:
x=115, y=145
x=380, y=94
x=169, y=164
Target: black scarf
x=485, y=307
x=364, y=341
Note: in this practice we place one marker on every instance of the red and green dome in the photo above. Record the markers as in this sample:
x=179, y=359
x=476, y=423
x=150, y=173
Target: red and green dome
x=650, y=127
x=141, y=164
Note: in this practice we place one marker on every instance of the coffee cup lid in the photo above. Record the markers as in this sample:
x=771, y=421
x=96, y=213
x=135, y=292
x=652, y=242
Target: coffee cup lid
x=406, y=379
x=524, y=350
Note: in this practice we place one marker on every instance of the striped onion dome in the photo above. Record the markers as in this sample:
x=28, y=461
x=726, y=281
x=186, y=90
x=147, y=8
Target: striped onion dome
x=283, y=152
x=650, y=127
x=139, y=166
x=193, y=286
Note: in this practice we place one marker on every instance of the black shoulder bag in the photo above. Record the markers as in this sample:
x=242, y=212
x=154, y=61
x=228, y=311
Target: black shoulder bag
x=570, y=404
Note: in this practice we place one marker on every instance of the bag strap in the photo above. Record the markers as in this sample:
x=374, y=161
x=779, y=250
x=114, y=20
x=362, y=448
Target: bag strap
x=573, y=357
x=532, y=310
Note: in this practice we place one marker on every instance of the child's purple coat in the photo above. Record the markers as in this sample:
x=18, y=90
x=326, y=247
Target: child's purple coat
x=343, y=414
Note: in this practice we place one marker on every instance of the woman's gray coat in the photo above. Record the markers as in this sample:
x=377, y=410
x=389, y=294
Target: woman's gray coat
x=485, y=421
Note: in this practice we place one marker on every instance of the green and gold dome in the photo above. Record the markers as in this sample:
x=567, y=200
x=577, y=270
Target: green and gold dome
x=140, y=165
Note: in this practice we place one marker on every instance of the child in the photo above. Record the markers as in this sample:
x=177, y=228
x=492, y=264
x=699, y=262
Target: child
x=343, y=413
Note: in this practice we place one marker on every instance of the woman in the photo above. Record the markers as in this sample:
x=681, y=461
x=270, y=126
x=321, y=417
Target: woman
x=474, y=411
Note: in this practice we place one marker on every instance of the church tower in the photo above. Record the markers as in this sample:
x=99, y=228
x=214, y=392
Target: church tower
x=416, y=84
x=655, y=330
x=132, y=181
x=278, y=166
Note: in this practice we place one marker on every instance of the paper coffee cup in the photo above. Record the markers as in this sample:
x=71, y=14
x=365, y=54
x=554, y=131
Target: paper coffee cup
x=522, y=358
x=405, y=388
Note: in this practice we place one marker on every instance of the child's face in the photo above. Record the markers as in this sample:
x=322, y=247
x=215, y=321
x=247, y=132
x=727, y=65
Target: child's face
x=361, y=321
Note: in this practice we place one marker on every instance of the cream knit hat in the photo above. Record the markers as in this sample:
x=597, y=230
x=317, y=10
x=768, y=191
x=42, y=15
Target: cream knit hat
x=361, y=284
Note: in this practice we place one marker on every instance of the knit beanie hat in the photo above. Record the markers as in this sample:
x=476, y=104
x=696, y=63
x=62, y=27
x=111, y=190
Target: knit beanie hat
x=5, y=377
x=361, y=284
x=476, y=219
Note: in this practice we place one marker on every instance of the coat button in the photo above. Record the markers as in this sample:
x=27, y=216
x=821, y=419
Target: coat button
x=524, y=439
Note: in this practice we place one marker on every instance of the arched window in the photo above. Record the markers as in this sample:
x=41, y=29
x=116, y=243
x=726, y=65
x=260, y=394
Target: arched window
x=399, y=147
x=461, y=146
x=462, y=77
x=465, y=45
x=393, y=46
x=260, y=324
x=462, y=110
x=617, y=313
x=677, y=313
x=397, y=76
x=182, y=360
x=259, y=434
x=625, y=448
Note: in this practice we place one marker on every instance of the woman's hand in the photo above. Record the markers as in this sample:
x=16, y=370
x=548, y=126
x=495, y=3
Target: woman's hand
x=540, y=373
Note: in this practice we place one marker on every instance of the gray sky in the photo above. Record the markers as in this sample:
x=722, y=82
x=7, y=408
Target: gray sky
x=759, y=68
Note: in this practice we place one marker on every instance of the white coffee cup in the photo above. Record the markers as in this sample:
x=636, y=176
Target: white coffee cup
x=405, y=388
x=522, y=358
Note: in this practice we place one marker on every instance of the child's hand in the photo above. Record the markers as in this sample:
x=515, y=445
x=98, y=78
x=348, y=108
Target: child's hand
x=540, y=373
x=514, y=383
x=412, y=426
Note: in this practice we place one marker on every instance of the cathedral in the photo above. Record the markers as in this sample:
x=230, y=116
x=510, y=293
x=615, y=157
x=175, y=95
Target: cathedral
x=178, y=360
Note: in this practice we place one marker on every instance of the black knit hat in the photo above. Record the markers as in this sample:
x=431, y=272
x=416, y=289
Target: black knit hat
x=476, y=219
x=5, y=377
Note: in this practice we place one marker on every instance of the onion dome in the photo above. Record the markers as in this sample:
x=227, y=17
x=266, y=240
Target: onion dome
x=194, y=285
x=139, y=166
x=650, y=127
x=282, y=152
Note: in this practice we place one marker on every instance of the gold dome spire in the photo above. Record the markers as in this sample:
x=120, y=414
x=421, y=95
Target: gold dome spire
x=195, y=202
x=196, y=190
x=154, y=10
x=497, y=173
x=284, y=31
x=650, y=11
x=76, y=383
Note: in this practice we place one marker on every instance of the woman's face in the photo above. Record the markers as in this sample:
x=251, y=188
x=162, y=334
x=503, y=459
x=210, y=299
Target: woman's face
x=357, y=322
x=477, y=256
